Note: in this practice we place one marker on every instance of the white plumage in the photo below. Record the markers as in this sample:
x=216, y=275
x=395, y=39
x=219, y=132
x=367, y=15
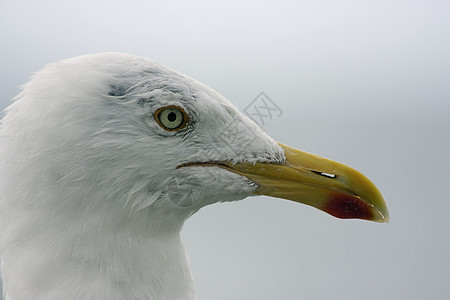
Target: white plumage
x=84, y=206
x=93, y=185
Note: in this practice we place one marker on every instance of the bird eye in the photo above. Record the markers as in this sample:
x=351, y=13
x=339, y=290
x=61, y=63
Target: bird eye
x=171, y=118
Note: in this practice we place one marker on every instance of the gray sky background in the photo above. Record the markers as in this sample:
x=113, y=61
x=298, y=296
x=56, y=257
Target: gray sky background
x=366, y=83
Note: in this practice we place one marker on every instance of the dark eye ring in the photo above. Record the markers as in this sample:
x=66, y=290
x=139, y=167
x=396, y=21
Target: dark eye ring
x=171, y=118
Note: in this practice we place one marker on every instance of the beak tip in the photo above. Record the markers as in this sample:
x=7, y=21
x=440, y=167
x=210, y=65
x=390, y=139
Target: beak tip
x=345, y=206
x=384, y=216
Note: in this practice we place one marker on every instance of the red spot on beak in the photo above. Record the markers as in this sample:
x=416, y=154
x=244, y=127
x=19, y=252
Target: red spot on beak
x=348, y=207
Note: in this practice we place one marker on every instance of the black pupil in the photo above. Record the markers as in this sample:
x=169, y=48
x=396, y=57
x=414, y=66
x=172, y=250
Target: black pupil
x=172, y=116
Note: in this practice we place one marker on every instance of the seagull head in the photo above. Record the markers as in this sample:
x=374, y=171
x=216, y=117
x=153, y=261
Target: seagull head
x=129, y=129
x=101, y=152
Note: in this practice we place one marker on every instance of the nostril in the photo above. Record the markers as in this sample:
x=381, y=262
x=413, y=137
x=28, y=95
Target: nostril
x=328, y=175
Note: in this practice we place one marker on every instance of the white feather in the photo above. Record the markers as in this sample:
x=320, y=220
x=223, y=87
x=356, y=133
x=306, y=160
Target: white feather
x=91, y=203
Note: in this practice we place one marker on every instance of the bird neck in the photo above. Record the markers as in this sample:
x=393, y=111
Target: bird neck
x=91, y=256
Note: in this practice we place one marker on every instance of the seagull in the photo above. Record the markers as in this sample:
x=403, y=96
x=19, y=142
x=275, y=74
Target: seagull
x=103, y=158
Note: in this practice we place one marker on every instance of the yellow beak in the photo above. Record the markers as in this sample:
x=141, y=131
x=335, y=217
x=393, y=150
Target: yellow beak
x=327, y=185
